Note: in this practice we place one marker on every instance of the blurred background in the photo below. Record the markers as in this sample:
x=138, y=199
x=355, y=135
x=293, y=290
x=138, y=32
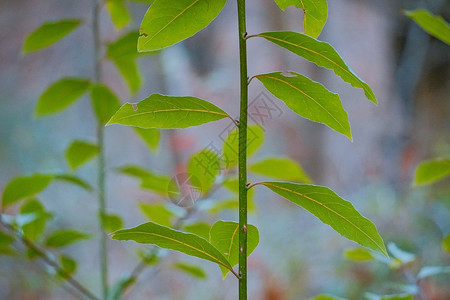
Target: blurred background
x=297, y=257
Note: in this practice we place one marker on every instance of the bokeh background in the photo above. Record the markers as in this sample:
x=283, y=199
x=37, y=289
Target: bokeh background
x=298, y=257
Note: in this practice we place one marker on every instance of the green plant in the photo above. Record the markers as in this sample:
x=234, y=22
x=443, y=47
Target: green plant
x=403, y=262
x=167, y=23
x=29, y=225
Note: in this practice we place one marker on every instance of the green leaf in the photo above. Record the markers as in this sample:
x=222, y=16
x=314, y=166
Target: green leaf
x=48, y=34
x=160, y=184
x=63, y=238
x=135, y=171
x=434, y=25
x=203, y=168
x=150, y=136
x=168, y=22
x=389, y=297
x=164, y=237
x=124, y=47
x=433, y=271
x=432, y=171
x=280, y=168
x=225, y=237
x=327, y=297
x=24, y=187
x=5, y=250
x=74, y=180
x=358, y=254
x=123, y=54
x=69, y=266
x=446, y=243
x=61, y=95
x=35, y=228
x=190, y=269
x=117, y=289
x=119, y=13
x=200, y=228
x=320, y=53
x=111, y=222
x=79, y=153
x=159, y=111
x=129, y=70
x=309, y=99
x=157, y=213
x=229, y=204
x=104, y=102
x=150, y=181
x=5, y=239
x=332, y=210
x=255, y=139
x=315, y=14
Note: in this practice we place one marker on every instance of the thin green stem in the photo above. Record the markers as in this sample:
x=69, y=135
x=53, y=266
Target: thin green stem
x=101, y=157
x=243, y=153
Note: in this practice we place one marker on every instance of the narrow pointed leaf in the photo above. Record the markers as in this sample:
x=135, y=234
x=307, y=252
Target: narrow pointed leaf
x=190, y=269
x=432, y=171
x=160, y=184
x=309, y=99
x=61, y=95
x=129, y=70
x=63, y=238
x=255, y=139
x=280, y=168
x=69, y=266
x=332, y=210
x=111, y=222
x=123, y=54
x=157, y=213
x=315, y=14
x=24, y=187
x=104, y=102
x=5, y=239
x=434, y=25
x=320, y=53
x=358, y=254
x=135, y=171
x=164, y=237
x=370, y=296
x=74, y=180
x=48, y=34
x=150, y=137
x=124, y=47
x=203, y=168
x=79, y=153
x=6, y=250
x=225, y=237
x=119, y=13
x=159, y=111
x=446, y=243
x=169, y=22
x=35, y=228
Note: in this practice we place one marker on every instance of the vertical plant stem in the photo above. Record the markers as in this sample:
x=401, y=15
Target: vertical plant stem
x=101, y=157
x=243, y=153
